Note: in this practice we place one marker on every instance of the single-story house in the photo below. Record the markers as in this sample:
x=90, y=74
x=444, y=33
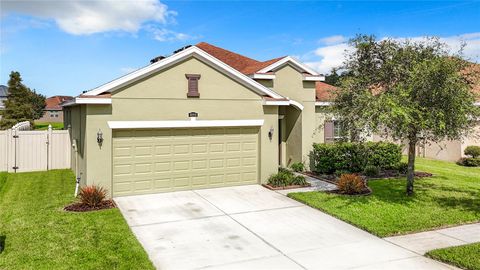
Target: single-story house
x=449, y=150
x=3, y=96
x=200, y=118
x=53, y=111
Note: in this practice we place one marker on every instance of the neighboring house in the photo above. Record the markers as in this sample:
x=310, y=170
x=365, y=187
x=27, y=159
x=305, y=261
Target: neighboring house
x=445, y=150
x=53, y=111
x=3, y=96
x=453, y=150
x=202, y=117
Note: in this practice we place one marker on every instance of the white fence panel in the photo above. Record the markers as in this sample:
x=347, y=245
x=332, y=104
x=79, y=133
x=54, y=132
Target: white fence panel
x=31, y=151
x=25, y=151
x=3, y=151
x=59, y=151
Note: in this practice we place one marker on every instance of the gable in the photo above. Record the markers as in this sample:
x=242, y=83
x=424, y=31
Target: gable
x=171, y=83
x=299, y=66
x=173, y=60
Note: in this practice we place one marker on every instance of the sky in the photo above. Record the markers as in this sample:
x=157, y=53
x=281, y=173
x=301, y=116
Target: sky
x=66, y=47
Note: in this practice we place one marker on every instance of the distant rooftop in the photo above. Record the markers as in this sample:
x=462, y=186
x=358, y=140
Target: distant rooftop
x=3, y=91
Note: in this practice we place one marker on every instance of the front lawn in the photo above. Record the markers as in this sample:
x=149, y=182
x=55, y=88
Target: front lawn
x=450, y=197
x=39, y=235
x=466, y=257
x=44, y=125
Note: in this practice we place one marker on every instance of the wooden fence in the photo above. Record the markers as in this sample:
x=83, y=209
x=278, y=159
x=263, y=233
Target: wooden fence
x=26, y=151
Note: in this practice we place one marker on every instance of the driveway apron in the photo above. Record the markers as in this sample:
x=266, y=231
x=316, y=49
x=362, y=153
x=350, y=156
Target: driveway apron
x=250, y=227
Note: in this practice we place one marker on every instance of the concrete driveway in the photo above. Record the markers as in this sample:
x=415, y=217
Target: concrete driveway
x=250, y=227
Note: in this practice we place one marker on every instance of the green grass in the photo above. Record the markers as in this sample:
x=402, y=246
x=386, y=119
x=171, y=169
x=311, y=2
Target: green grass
x=44, y=125
x=450, y=197
x=39, y=235
x=466, y=257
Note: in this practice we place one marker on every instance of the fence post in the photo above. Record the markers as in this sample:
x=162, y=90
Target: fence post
x=9, y=147
x=49, y=147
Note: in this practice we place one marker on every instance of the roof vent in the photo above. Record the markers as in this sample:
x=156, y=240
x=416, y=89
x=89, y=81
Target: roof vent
x=156, y=59
x=181, y=49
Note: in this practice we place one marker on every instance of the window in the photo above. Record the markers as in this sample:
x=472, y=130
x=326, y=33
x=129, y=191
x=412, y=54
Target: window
x=337, y=130
x=333, y=131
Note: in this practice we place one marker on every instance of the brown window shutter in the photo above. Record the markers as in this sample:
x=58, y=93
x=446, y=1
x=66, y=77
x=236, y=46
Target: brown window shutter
x=193, y=85
x=328, y=132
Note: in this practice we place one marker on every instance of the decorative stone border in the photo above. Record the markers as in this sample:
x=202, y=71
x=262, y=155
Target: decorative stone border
x=286, y=187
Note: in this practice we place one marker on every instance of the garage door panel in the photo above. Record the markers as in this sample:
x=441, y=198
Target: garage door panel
x=149, y=161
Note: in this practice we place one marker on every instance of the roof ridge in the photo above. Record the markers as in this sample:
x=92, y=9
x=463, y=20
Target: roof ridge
x=232, y=52
x=244, y=64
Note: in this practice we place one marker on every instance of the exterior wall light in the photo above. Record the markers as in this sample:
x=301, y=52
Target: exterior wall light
x=99, y=137
x=270, y=133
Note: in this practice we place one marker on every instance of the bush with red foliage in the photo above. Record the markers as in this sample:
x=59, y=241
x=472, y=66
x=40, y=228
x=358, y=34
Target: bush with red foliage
x=92, y=196
x=351, y=184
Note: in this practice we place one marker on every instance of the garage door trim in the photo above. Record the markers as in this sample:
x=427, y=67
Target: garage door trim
x=184, y=123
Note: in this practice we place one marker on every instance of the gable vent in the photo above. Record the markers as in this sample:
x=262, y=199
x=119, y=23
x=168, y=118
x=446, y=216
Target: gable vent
x=193, y=85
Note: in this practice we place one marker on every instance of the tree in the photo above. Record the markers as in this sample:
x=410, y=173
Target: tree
x=22, y=104
x=38, y=104
x=408, y=91
x=334, y=77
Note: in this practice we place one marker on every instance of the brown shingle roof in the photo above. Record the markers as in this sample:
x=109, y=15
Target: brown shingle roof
x=53, y=103
x=239, y=62
x=324, y=91
x=472, y=74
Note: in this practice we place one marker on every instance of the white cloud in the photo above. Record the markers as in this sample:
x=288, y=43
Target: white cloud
x=162, y=34
x=324, y=58
x=83, y=17
x=330, y=56
x=333, y=40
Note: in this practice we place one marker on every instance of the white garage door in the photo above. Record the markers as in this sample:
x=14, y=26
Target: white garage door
x=162, y=160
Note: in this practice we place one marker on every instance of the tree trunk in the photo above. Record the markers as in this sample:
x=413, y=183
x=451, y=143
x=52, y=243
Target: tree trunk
x=411, y=165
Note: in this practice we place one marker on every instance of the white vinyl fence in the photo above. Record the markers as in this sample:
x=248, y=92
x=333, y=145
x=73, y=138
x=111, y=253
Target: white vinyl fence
x=31, y=150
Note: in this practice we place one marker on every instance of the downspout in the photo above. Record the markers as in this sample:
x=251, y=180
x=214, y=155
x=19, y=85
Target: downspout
x=79, y=176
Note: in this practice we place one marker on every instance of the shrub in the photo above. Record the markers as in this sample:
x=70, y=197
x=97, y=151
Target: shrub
x=284, y=178
x=371, y=170
x=351, y=184
x=469, y=162
x=402, y=167
x=92, y=195
x=340, y=172
x=354, y=157
x=473, y=151
x=298, y=167
x=299, y=180
x=384, y=155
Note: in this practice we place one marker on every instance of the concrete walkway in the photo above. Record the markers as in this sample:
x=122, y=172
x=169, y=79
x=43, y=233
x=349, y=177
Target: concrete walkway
x=250, y=227
x=317, y=185
x=423, y=242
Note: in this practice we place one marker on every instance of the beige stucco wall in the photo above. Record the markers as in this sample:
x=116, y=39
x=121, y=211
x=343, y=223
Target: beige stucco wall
x=163, y=97
x=447, y=150
x=473, y=138
x=320, y=116
x=76, y=120
x=300, y=125
x=48, y=118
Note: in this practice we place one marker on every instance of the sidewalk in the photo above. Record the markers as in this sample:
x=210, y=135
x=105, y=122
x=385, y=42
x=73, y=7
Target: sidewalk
x=423, y=242
x=316, y=185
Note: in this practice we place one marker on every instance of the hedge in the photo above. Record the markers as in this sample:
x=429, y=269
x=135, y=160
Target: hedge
x=354, y=157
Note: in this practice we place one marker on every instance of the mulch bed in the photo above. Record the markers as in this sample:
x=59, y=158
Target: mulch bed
x=80, y=207
x=286, y=187
x=386, y=174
